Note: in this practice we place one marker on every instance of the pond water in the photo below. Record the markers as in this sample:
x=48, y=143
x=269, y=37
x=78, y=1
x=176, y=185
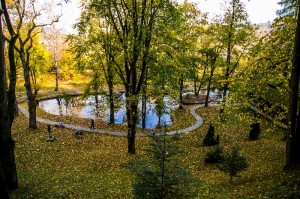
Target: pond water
x=88, y=108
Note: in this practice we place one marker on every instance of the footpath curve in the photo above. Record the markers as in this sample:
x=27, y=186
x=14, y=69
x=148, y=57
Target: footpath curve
x=196, y=125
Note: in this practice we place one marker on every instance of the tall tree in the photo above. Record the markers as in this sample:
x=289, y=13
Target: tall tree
x=133, y=22
x=176, y=49
x=55, y=43
x=266, y=72
x=107, y=57
x=235, y=34
x=7, y=104
x=3, y=104
x=40, y=60
x=96, y=49
x=188, y=30
x=293, y=138
x=210, y=54
x=28, y=25
x=209, y=59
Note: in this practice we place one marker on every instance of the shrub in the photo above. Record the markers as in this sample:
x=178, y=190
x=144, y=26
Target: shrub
x=254, y=131
x=215, y=155
x=209, y=139
x=233, y=163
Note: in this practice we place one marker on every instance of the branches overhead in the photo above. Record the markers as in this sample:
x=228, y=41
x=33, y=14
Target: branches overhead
x=27, y=18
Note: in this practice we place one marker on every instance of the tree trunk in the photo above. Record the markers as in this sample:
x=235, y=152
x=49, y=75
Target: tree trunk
x=144, y=108
x=225, y=89
x=144, y=100
x=7, y=158
x=195, y=87
x=30, y=96
x=3, y=186
x=144, y=111
x=293, y=138
x=110, y=83
x=12, y=112
x=12, y=100
x=210, y=78
x=132, y=116
x=111, y=103
x=96, y=100
x=228, y=56
x=59, y=106
x=202, y=80
x=32, y=111
x=56, y=78
x=208, y=87
x=181, y=91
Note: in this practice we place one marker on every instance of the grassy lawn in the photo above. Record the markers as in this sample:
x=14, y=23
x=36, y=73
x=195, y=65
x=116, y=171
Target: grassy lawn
x=46, y=82
x=92, y=167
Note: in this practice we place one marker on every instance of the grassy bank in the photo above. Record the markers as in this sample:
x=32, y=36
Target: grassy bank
x=92, y=167
x=47, y=82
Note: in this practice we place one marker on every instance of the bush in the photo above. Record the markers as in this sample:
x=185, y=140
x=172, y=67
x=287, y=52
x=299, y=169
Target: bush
x=214, y=156
x=233, y=163
x=210, y=139
x=254, y=131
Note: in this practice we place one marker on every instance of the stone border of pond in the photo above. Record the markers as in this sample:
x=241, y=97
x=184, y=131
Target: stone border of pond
x=196, y=125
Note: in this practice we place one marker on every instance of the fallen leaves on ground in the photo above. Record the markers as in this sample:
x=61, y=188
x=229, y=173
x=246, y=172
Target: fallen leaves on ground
x=91, y=167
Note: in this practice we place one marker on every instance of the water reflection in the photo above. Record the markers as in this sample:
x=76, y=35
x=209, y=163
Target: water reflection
x=88, y=108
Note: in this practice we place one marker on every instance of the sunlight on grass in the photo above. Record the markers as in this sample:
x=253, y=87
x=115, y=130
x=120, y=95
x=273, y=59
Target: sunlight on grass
x=47, y=82
x=92, y=167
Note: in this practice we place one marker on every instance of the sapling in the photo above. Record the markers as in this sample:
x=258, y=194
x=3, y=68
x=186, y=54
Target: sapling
x=160, y=172
x=233, y=163
x=215, y=155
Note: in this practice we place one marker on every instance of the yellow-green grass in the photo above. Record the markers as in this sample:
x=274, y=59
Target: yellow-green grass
x=47, y=82
x=266, y=158
x=92, y=167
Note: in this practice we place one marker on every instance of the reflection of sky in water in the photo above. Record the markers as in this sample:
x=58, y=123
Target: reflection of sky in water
x=120, y=116
x=87, y=109
x=215, y=95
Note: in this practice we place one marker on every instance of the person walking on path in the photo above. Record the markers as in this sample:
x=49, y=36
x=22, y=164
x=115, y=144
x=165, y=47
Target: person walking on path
x=92, y=124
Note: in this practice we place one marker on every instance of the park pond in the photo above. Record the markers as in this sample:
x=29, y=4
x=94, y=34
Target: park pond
x=88, y=108
x=91, y=108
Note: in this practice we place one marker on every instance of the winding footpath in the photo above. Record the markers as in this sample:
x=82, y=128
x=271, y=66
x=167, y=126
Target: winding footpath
x=196, y=125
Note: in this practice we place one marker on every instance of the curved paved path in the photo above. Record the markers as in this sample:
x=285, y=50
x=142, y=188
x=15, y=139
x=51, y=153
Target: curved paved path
x=196, y=125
